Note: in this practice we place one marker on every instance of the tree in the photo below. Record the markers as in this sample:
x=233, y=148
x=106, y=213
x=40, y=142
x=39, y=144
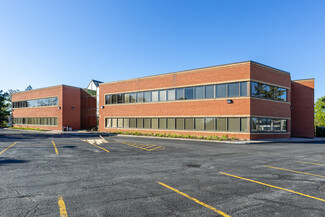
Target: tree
x=4, y=109
x=28, y=88
x=320, y=112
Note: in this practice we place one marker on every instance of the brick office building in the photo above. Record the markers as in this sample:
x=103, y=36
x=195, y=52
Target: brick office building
x=246, y=100
x=54, y=107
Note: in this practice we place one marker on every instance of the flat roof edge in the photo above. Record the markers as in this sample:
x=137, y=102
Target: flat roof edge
x=182, y=71
x=60, y=85
x=307, y=79
x=202, y=68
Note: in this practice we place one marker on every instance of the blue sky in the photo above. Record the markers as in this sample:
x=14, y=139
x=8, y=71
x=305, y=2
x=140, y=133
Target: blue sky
x=46, y=43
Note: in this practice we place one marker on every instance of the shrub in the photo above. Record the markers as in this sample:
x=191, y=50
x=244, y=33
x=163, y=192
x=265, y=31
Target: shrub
x=187, y=136
x=224, y=137
x=194, y=137
x=209, y=138
x=201, y=137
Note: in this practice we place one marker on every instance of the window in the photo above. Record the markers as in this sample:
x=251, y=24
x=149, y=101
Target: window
x=180, y=123
x=199, y=123
x=139, y=122
x=254, y=124
x=268, y=91
x=147, y=97
x=171, y=94
x=154, y=123
x=222, y=124
x=233, y=89
x=133, y=97
x=189, y=93
x=120, y=122
x=114, y=122
x=284, y=125
x=209, y=91
x=162, y=95
x=133, y=123
x=120, y=98
x=140, y=97
x=126, y=122
x=210, y=124
x=108, y=99
x=114, y=99
x=221, y=90
x=243, y=88
x=265, y=124
x=146, y=123
x=233, y=124
x=180, y=94
x=243, y=124
x=171, y=123
x=155, y=96
x=126, y=98
x=255, y=89
x=162, y=123
x=280, y=94
x=199, y=92
x=189, y=123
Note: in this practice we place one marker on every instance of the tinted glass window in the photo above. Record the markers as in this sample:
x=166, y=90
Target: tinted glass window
x=180, y=123
x=114, y=99
x=199, y=123
x=155, y=96
x=147, y=97
x=162, y=95
x=126, y=123
x=209, y=91
x=170, y=123
x=233, y=89
x=189, y=93
x=107, y=122
x=120, y=122
x=284, y=125
x=222, y=124
x=233, y=124
x=210, y=124
x=133, y=123
x=254, y=124
x=199, y=92
x=171, y=95
x=162, y=123
x=180, y=94
x=189, y=123
x=221, y=90
x=133, y=97
x=243, y=88
x=255, y=90
x=265, y=124
x=139, y=122
x=120, y=98
x=280, y=94
x=126, y=98
x=114, y=122
x=154, y=123
x=243, y=124
x=140, y=97
x=108, y=99
x=146, y=123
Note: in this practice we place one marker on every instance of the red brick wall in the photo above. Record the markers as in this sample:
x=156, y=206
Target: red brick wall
x=49, y=111
x=71, y=107
x=302, y=113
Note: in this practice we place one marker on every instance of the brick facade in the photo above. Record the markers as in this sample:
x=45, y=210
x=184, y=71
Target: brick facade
x=216, y=107
x=68, y=110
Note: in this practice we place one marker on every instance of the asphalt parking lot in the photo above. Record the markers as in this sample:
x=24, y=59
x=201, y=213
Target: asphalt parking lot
x=65, y=175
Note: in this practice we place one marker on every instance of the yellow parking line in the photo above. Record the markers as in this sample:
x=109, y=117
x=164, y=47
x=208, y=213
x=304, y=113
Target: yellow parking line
x=56, y=150
x=195, y=200
x=272, y=186
x=310, y=163
x=97, y=146
x=278, y=168
x=156, y=148
x=63, y=209
x=8, y=147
